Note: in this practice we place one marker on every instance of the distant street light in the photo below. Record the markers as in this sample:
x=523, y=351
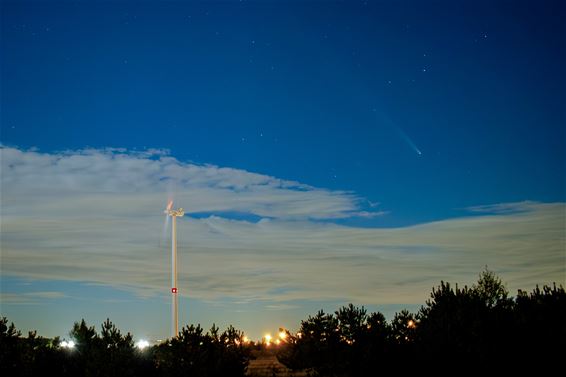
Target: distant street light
x=141, y=344
x=69, y=345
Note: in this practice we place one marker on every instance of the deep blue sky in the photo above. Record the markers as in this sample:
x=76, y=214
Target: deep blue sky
x=289, y=90
x=425, y=107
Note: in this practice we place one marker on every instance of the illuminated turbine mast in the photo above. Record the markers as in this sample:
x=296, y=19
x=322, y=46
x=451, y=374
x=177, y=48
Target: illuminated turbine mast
x=174, y=300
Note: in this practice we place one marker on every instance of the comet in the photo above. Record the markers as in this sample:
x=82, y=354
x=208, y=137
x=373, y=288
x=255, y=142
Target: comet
x=400, y=132
x=408, y=140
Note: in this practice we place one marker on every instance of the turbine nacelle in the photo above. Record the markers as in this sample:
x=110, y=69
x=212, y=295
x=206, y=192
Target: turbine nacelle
x=175, y=212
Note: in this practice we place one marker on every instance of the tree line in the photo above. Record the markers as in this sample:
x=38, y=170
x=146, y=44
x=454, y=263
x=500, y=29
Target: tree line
x=458, y=331
x=193, y=352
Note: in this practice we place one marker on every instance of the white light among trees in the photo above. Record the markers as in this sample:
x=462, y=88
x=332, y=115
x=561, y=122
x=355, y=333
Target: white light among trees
x=142, y=344
x=70, y=344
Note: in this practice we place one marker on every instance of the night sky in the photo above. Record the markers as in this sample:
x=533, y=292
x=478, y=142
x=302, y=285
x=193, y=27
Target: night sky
x=325, y=153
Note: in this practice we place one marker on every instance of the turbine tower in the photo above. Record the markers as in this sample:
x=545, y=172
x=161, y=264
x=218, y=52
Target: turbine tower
x=174, y=300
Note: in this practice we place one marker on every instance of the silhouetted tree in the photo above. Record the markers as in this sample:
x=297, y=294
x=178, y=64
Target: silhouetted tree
x=467, y=324
x=118, y=353
x=403, y=327
x=196, y=353
x=540, y=326
x=42, y=356
x=352, y=323
x=376, y=343
x=402, y=349
x=85, y=337
x=10, y=348
x=109, y=354
x=28, y=356
x=347, y=343
x=352, y=327
x=316, y=346
x=491, y=291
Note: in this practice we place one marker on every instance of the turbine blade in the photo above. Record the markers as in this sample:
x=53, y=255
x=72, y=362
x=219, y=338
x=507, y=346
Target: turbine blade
x=164, y=232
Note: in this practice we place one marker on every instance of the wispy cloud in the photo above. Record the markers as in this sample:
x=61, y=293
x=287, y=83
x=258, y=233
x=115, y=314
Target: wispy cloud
x=96, y=216
x=504, y=208
x=30, y=297
x=118, y=182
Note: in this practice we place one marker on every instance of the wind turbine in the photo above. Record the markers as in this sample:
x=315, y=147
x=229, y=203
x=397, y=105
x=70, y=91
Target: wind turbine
x=174, y=300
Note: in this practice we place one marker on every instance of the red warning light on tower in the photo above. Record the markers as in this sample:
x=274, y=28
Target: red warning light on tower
x=173, y=290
